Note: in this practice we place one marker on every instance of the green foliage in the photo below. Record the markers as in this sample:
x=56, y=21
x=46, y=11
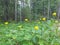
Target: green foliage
x=37, y=9
x=25, y=34
x=27, y=12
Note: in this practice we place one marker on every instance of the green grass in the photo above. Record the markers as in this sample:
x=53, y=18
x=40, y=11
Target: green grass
x=25, y=34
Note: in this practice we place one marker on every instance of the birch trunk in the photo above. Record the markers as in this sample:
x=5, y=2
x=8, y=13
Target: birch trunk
x=15, y=10
x=58, y=9
x=48, y=9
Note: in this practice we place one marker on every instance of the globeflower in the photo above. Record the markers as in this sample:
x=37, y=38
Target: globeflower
x=36, y=27
x=6, y=23
x=54, y=14
x=26, y=20
x=43, y=19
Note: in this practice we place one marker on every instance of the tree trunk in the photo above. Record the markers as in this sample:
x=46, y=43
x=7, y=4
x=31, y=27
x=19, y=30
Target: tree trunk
x=15, y=10
x=59, y=10
x=48, y=9
x=6, y=10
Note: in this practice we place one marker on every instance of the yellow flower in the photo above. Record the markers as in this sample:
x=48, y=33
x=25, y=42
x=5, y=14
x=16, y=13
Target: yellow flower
x=26, y=20
x=43, y=19
x=54, y=14
x=36, y=27
x=6, y=23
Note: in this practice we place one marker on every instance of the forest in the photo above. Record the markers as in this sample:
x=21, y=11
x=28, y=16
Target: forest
x=18, y=10
x=29, y=22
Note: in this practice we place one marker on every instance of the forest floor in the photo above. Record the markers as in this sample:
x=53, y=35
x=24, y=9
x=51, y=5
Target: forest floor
x=30, y=33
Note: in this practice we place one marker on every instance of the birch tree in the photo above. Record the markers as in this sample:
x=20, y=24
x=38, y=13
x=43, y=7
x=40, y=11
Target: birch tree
x=16, y=10
x=48, y=9
x=58, y=9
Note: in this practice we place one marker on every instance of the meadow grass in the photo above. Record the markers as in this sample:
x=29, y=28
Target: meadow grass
x=30, y=33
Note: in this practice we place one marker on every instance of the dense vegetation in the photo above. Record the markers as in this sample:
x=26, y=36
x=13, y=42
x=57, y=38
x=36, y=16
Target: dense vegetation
x=30, y=33
x=18, y=10
x=29, y=22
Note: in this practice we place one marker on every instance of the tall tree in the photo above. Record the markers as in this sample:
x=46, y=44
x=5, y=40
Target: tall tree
x=6, y=2
x=16, y=1
x=58, y=9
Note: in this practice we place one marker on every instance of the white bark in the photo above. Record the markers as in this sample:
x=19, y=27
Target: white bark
x=29, y=3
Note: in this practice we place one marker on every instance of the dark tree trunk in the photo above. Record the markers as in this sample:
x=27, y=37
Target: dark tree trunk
x=6, y=2
x=58, y=10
